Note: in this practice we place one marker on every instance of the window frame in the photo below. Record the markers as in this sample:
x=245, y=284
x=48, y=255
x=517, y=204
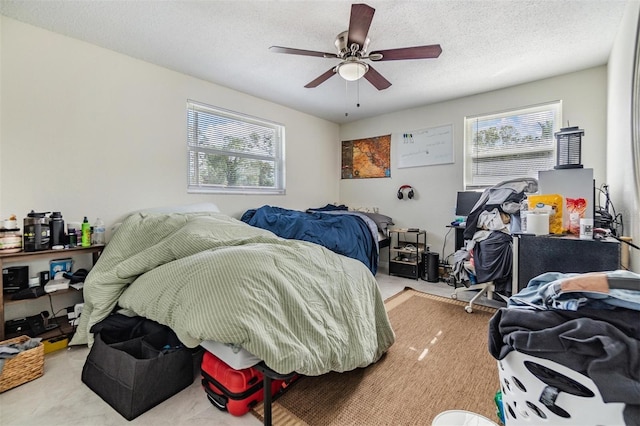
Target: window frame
x=278, y=158
x=470, y=179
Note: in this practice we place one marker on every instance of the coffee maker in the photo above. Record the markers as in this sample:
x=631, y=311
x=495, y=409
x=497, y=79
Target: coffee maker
x=36, y=232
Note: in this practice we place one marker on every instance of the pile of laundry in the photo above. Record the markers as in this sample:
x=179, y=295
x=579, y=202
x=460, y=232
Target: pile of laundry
x=585, y=322
x=487, y=254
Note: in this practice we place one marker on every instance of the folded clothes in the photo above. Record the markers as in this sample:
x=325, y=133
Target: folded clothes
x=600, y=290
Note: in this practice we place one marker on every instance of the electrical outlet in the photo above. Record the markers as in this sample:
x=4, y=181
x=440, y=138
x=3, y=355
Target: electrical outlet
x=78, y=309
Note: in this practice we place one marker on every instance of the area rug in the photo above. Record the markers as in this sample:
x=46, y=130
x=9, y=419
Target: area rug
x=439, y=362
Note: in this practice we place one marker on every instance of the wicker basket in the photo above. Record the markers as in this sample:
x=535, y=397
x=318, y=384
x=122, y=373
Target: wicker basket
x=24, y=367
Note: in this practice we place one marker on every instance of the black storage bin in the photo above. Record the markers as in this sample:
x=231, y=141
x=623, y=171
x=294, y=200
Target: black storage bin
x=135, y=375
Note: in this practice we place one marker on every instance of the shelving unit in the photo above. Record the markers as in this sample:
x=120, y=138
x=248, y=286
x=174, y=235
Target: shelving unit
x=405, y=252
x=25, y=257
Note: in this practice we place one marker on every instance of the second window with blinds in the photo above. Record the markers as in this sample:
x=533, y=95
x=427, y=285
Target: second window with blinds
x=510, y=144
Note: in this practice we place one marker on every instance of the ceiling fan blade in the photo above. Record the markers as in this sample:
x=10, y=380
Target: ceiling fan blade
x=375, y=78
x=359, y=23
x=324, y=77
x=416, y=52
x=289, y=50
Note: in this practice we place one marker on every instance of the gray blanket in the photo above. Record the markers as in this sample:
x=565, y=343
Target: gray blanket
x=296, y=305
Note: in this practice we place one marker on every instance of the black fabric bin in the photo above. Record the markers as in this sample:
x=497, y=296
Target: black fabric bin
x=135, y=375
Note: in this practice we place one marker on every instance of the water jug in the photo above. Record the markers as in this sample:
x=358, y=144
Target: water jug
x=56, y=224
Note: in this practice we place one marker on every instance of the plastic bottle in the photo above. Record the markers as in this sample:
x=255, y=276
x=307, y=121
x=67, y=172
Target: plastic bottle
x=499, y=407
x=86, y=233
x=73, y=237
x=98, y=232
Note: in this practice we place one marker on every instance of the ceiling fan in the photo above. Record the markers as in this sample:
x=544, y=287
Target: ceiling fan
x=352, y=48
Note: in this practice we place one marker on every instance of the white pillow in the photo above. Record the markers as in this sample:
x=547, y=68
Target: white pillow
x=183, y=208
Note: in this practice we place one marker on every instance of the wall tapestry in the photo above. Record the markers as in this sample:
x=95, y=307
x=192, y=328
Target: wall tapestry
x=366, y=158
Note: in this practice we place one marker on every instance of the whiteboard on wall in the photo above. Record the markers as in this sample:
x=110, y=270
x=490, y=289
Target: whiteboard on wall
x=424, y=147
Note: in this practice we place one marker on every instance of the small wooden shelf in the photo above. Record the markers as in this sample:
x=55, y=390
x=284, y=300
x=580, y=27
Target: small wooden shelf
x=9, y=301
x=29, y=256
x=63, y=329
x=406, y=248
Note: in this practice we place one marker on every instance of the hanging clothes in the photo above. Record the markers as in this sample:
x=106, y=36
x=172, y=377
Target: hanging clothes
x=505, y=196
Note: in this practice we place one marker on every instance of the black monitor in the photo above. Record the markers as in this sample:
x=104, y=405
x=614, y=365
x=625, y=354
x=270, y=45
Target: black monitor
x=465, y=202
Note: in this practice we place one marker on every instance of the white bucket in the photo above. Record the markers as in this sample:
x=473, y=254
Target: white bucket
x=461, y=418
x=538, y=223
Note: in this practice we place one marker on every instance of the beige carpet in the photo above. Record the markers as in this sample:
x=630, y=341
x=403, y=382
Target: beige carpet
x=439, y=362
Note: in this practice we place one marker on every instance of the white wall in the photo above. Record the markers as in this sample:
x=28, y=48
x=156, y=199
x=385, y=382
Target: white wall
x=584, y=104
x=620, y=168
x=1, y=93
x=90, y=132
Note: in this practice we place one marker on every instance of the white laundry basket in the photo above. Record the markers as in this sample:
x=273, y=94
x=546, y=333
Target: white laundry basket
x=538, y=391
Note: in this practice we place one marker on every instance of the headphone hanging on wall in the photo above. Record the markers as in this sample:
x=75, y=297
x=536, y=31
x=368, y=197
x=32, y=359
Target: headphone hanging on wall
x=401, y=194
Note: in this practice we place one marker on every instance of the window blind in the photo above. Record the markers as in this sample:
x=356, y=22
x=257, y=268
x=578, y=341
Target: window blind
x=510, y=144
x=232, y=152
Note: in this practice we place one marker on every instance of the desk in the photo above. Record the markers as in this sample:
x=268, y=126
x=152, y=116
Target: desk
x=534, y=255
x=459, y=236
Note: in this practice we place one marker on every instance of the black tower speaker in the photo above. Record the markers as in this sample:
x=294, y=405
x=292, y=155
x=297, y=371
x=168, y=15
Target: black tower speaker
x=423, y=265
x=432, y=266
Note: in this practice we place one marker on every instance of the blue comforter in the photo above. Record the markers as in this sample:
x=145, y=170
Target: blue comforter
x=348, y=234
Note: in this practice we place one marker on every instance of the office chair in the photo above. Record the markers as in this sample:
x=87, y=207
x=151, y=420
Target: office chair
x=487, y=288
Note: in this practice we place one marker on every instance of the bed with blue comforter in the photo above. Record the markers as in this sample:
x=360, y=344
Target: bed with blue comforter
x=345, y=232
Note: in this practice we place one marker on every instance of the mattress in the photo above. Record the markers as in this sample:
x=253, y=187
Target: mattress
x=236, y=358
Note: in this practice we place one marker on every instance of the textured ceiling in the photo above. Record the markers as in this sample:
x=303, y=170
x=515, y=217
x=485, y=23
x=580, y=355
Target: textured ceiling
x=486, y=45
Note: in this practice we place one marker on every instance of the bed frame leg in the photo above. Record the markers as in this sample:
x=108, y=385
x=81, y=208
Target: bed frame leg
x=267, y=400
x=268, y=376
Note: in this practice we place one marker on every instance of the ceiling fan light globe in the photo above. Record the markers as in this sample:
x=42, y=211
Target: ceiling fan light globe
x=352, y=70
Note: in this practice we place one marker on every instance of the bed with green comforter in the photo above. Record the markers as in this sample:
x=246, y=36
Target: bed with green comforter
x=296, y=305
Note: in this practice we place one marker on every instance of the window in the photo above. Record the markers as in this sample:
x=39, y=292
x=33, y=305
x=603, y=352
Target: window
x=510, y=144
x=233, y=153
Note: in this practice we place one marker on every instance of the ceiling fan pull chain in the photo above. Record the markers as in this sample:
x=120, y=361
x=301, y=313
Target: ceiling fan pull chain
x=346, y=98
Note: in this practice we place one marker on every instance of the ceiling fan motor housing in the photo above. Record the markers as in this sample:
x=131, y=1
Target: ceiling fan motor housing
x=342, y=41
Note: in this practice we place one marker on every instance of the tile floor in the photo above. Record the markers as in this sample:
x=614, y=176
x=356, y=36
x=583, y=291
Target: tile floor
x=60, y=398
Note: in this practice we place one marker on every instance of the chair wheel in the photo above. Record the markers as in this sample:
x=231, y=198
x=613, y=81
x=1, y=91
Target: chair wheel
x=454, y=296
x=468, y=309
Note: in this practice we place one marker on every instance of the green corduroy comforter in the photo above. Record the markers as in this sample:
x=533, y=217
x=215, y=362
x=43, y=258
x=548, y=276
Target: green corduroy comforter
x=296, y=305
